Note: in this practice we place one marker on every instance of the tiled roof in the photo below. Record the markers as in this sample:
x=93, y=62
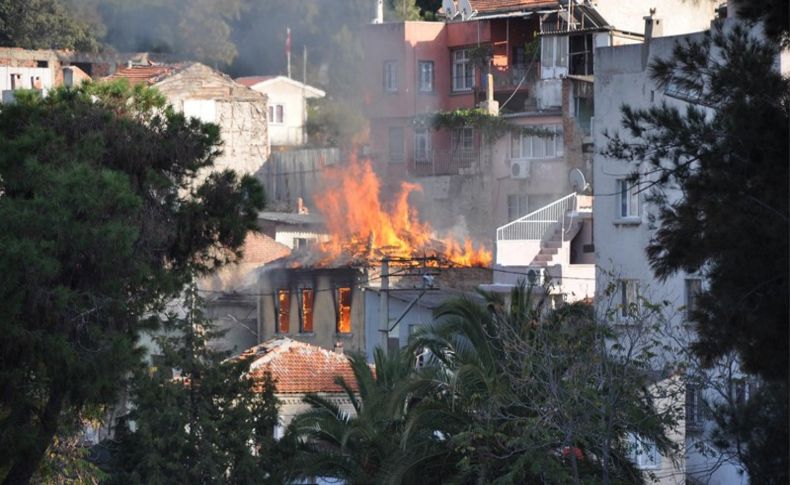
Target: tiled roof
x=491, y=6
x=262, y=249
x=300, y=368
x=145, y=74
x=250, y=81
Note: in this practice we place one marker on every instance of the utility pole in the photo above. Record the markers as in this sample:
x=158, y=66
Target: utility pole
x=384, y=306
x=288, y=49
x=304, y=96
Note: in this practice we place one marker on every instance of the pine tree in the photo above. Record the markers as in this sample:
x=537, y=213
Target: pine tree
x=103, y=221
x=198, y=416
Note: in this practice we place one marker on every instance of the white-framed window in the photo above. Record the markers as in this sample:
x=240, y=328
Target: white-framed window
x=422, y=144
x=553, y=56
x=391, y=76
x=463, y=139
x=276, y=114
x=693, y=289
x=516, y=206
x=629, y=296
x=463, y=71
x=627, y=199
x=425, y=73
x=550, y=144
x=643, y=452
x=396, y=154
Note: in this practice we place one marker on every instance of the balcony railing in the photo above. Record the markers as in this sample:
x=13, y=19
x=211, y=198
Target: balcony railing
x=540, y=223
x=455, y=161
x=510, y=77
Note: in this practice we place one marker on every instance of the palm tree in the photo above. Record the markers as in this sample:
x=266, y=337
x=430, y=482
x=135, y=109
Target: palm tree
x=363, y=447
x=516, y=393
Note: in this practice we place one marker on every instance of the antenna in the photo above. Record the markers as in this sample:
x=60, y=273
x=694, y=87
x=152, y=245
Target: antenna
x=466, y=9
x=449, y=9
x=578, y=181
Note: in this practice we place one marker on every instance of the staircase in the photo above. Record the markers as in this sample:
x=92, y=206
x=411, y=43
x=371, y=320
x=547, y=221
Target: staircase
x=540, y=238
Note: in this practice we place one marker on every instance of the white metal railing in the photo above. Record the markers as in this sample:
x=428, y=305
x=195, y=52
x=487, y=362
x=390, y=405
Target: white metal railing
x=537, y=224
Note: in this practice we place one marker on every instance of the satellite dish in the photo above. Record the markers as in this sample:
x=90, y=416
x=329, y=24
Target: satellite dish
x=577, y=180
x=449, y=9
x=466, y=9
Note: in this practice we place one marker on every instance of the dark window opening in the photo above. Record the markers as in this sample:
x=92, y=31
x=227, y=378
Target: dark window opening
x=42, y=64
x=581, y=54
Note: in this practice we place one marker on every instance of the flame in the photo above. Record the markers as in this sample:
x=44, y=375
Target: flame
x=362, y=228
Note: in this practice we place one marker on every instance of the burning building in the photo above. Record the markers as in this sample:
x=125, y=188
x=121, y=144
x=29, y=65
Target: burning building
x=317, y=294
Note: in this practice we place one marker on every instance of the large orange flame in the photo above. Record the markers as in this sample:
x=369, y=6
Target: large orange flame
x=361, y=228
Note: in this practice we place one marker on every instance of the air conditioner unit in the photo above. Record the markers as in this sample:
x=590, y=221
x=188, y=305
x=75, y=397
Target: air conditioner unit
x=519, y=169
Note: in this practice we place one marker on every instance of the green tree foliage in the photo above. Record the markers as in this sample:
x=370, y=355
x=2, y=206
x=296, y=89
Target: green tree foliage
x=359, y=448
x=105, y=219
x=726, y=153
x=333, y=123
x=506, y=394
x=43, y=24
x=211, y=423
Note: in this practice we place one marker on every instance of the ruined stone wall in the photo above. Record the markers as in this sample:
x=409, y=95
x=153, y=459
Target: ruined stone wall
x=239, y=111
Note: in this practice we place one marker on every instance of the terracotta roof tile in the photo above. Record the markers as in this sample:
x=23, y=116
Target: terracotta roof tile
x=251, y=81
x=300, y=368
x=262, y=249
x=145, y=74
x=491, y=6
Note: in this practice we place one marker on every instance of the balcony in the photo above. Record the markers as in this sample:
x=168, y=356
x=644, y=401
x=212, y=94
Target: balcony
x=457, y=161
x=520, y=76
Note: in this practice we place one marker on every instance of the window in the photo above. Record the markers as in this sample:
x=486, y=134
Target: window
x=396, y=144
x=643, y=453
x=283, y=311
x=276, y=114
x=538, y=141
x=425, y=71
x=463, y=71
x=42, y=64
x=301, y=242
x=694, y=406
x=203, y=109
x=553, y=56
x=307, y=310
x=344, y=310
x=627, y=199
x=629, y=296
x=422, y=145
x=391, y=76
x=693, y=289
x=516, y=206
x=463, y=139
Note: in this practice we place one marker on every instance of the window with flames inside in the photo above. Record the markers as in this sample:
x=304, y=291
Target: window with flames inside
x=283, y=311
x=344, y=310
x=307, y=310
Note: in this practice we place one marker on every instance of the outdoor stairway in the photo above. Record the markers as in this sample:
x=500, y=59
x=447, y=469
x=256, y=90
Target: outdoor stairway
x=545, y=233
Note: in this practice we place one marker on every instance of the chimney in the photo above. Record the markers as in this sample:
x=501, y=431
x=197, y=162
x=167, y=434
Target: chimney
x=300, y=207
x=489, y=105
x=653, y=28
x=129, y=64
x=338, y=347
x=379, y=18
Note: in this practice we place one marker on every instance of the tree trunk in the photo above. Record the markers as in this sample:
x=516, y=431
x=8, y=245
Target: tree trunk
x=29, y=459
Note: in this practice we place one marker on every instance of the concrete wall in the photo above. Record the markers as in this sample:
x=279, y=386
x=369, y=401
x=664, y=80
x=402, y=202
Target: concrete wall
x=240, y=112
x=622, y=78
x=677, y=16
x=324, y=283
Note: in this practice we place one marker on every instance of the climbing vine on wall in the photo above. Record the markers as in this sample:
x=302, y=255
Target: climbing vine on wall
x=492, y=127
